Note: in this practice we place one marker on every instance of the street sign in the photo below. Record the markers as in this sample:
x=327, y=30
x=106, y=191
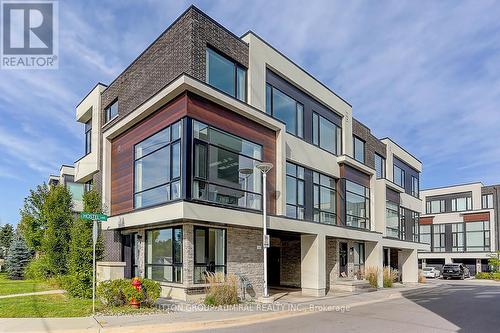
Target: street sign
x=93, y=216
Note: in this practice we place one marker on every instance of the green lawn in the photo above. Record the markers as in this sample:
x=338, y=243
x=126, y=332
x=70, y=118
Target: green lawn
x=44, y=306
x=9, y=287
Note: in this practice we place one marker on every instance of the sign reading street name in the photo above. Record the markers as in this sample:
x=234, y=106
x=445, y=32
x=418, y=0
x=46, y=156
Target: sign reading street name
x=93, y=216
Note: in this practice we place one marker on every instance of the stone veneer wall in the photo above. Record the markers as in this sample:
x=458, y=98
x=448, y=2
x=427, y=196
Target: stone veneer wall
x=332, y=267
x=290, y=273
x=244, y=258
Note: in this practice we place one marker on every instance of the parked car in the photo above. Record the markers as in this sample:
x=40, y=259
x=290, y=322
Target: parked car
x=459, y=271
x=430, y=272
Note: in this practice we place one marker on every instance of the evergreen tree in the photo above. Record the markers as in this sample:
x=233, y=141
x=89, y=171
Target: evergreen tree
x=17, y=259
x=33, y=222
x=59, y=216
x=80, y=255
x=6, y=236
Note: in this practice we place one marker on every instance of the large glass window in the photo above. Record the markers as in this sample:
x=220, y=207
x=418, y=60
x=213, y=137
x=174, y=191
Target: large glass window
x=435, y=206
x=76, y=189
x=286, y=109
x=209, y=252
x=379, y=166
x=226, y=75
x=111, y=111
x=457, y=235
x=477, y=236
x=224, y=168
x=325, y=203
x=399, y=176
x=415, y=187
x=461, y=204
x=294, y=191
x=359, y=149
x=164, y=255
x=88, y=137
x=439, y=238
x=402, y=223
x=157, y=167
x=359, y=257
x=357, y=205
x=425, y=233
x=326, y=134
x=392, y=219
x=487, y=201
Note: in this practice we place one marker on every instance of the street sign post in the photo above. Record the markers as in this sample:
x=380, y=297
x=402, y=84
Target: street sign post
x=94, y=217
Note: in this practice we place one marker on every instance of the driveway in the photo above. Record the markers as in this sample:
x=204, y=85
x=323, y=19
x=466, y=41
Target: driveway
x=452, y=306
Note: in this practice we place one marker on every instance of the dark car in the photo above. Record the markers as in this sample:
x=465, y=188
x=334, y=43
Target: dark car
x=457, y=271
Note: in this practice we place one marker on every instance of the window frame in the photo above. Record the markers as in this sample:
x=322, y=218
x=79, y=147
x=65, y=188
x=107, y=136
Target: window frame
x=107, y=111
x=317, y=186
x=415, y=186
x=236, y=67
x=354, y=150
x=468, y=204
x=316, y=137
x=486, y=237
x=270, y=103
x=485, y=202
x=207, y=181
x=421, y=226
x=367, y=204
x=174, y=264
x=172, y=180
x=402, y=173
x=297, y=179
x=441, y=239
x=428, y=206
x=382, y=171
x=88, y=137
x=206, y=230
x=455, y=247
x=398, y=213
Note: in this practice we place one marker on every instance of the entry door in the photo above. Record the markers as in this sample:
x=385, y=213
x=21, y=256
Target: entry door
x=342, y=258
x=129, y=255
x=273, y=266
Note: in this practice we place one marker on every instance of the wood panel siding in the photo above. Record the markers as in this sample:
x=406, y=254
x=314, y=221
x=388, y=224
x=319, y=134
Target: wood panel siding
x=426, y=220
x=476, y=217
x=187, y=104
x=122, y=152
x=354, y=175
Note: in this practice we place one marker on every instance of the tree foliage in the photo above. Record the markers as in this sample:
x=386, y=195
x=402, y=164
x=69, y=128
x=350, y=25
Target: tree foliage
x=33, y=221
x=494, y=261
x=80, y=255
x=17, y=259
x=6, y=237
x=57, y=211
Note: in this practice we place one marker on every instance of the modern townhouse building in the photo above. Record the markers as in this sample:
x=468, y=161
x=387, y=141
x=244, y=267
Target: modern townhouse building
x=176, y=145
x=66, y=177
x=460, y=222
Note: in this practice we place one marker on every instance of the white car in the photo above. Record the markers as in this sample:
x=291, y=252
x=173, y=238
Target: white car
x=431, y=272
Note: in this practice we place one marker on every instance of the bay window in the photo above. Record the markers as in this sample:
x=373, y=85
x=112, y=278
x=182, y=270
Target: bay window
x=158, y=167
x=226, y=75
x=209, y=252
x=294, y=191
x=164, y=255
x=326, y=134
x=285, y=108
x=357, y=205
x=224, y=168
x=325, y=202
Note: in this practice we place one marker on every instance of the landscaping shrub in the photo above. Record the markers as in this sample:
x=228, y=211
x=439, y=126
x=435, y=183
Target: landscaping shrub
x=17, y=259
x=222, y=289
x=37, y=269
x=371, y=274
x=120, y=292
x=421, y=277
x=390, y=275
x=488, y=275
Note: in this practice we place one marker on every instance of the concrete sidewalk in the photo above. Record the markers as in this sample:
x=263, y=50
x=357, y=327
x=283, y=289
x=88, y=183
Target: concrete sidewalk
x=191, y=320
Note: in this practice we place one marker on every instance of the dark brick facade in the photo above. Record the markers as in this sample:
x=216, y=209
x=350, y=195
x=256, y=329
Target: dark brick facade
x=372, y=144
x=495, y=190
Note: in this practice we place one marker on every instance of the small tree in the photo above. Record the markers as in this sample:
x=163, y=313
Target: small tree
x=17, y=259
x=58, y=212
x=494, y=261
x=33, y=222
x=6, y=236
x=80, y=255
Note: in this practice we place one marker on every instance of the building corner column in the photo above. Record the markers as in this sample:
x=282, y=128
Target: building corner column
x=375, y=259
x=313, y=264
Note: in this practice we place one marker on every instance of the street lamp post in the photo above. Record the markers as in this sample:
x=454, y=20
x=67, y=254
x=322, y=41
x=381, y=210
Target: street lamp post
x=264, y=168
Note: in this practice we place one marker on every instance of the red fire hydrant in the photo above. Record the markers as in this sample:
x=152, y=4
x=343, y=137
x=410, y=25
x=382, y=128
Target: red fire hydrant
x=136, y=283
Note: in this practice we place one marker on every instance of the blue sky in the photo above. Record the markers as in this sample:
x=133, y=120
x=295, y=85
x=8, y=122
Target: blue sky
x=425, y=73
